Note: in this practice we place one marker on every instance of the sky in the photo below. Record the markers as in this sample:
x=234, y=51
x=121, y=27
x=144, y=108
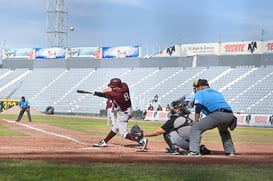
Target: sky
x=138, y=22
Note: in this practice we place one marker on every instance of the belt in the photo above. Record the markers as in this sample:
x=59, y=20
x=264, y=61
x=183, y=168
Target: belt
x=223, y=110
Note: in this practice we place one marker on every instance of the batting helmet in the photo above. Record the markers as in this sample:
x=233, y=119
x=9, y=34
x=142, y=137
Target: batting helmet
x=115, y=82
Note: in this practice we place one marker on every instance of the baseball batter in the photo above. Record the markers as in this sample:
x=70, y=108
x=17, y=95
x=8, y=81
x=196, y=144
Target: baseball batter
x=118, y=92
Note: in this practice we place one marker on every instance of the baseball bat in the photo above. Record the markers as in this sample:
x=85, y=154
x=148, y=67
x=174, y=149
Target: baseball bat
x=84, y=92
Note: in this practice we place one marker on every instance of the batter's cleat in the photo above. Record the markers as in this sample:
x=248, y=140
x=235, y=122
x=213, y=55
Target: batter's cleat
x=230, y=154
x=102, y=143
x=192, y=153
x=204, y=150
x=173, y=151
x=144, y=143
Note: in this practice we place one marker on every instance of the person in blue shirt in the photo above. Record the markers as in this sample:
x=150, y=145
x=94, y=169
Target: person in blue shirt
x=218, y=114
x=24, y=106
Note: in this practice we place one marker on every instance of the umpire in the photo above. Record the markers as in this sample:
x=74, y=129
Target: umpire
x=218, y=114
x=24, y=106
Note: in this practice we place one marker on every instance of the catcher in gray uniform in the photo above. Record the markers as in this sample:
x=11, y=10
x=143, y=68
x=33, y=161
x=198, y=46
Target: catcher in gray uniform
x=176, y=131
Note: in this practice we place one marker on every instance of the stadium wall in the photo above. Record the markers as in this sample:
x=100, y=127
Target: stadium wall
x=191, y=61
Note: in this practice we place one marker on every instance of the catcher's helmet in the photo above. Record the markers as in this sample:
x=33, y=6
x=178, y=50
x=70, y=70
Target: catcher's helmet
x=115, y=82
x=181, y=105
x=200, y=82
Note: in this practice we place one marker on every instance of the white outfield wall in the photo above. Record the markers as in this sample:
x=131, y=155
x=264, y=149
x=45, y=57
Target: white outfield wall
x=257, y=120
x=254, y=120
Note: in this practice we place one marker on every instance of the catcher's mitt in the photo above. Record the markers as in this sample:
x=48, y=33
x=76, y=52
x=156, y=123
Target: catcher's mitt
x=136, y=133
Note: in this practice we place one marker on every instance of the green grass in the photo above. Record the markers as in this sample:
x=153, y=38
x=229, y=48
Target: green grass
x=4, y=131
x=97, y=126
x=38, y=170
x=41, y=170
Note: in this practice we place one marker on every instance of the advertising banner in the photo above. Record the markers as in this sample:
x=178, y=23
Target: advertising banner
x=18, y=53
x=200, y=49
x=5, y=104
x=48, y=53
x=120, y=52
x=92, y=52
x=268, y=46
x=241, y=48
x=172, y=51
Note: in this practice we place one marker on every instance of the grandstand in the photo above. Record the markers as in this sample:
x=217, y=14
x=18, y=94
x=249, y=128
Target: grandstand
x=247, y=88
x=51, y=76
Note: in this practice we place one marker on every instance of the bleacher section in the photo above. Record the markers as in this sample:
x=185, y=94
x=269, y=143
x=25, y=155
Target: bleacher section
x=248, y=89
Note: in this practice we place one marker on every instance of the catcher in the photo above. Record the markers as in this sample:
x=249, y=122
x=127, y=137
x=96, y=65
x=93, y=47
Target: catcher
x=176, y=131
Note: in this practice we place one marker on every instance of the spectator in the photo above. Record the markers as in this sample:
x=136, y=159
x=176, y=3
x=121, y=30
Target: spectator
x=155, y=98
x=168, y=108
x=150, y=107
x=159, y=108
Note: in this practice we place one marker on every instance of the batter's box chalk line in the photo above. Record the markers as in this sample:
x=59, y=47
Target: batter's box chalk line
x=47, y=132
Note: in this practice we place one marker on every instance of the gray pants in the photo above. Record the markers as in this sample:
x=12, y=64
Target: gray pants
x=221, y=120
x=182, y=142
x=21, y=113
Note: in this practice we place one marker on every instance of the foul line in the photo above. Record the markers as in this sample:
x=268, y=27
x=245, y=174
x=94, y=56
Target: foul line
x=47, y=132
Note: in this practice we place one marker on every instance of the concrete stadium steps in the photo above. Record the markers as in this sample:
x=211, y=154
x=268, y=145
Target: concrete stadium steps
x=248, y=89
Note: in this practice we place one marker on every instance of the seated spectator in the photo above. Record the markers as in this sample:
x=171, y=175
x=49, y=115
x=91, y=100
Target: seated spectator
x=159, y=108
x=168, y=107
x=150, y=107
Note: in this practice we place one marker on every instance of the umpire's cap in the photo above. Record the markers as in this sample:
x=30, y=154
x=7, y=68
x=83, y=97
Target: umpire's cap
x=200, y=82
x=115, y=82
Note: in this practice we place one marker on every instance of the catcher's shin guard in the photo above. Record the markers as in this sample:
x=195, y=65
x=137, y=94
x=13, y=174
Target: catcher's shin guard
x=168, y=140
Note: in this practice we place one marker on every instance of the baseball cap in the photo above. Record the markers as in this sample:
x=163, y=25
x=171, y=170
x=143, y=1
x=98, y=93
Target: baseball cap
x=200, y=82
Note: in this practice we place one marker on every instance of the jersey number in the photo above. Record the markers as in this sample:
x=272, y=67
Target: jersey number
x=126, y=96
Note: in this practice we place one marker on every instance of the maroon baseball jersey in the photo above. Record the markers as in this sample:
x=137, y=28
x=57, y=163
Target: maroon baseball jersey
x=121, y=97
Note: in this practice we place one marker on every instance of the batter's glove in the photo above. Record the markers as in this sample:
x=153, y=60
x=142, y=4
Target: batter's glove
x=136, y=133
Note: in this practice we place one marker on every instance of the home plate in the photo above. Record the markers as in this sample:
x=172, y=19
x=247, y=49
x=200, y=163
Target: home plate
x=90, y=148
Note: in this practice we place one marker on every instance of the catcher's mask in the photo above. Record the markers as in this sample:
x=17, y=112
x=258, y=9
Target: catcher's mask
x=181, y=105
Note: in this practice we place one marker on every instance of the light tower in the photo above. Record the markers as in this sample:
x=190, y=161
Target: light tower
x=56, y=24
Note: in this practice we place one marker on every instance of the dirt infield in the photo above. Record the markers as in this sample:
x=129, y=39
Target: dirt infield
x=49, y=143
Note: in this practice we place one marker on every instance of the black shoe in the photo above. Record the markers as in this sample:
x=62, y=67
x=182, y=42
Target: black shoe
x=173, y=151
x=204, y=150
